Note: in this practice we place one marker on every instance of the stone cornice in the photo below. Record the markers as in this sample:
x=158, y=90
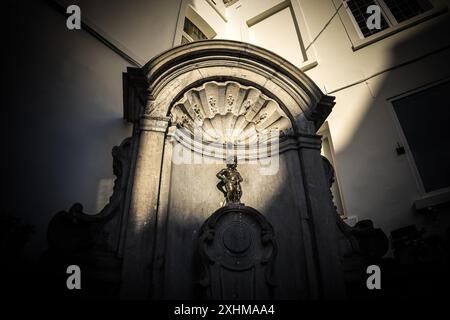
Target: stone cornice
x=158, y=124
x=255, y=62
x=173, y=72
x=309, y=141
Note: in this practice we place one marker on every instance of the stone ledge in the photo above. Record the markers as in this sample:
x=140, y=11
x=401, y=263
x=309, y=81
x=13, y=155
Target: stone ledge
x=432, y=199
x=158, y=124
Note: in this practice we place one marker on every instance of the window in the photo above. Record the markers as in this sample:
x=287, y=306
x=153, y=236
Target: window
x=358, y=9
x=423, y=118
x=406, y=9
x=229, y=3
x=192, y=27
x=393, y=12
x=328, y=152
x=191, y=32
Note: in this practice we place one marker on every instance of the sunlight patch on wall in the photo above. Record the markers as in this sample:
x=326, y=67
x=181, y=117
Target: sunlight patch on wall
x=351, y=108
x=284, y=39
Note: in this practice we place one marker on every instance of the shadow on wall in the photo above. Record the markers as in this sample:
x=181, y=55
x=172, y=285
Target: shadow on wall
x=278, y=197
x=386, y=192
x=79, y=244
x=64, y=112
x=63, y=115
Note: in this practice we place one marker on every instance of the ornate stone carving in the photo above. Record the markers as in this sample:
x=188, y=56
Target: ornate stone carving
x=230, y=101
x=247, y=105
x=212, y=105
x=198, y=112
x=237, y=251
x=231, y=60
x=261, y=118
x=74, y=230
x=359, y=244
x=227, y=254
x=321, y=111
x=229, y=112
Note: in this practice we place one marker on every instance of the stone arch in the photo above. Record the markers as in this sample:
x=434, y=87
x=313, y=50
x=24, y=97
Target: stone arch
x=241, y=81
x=135, y=231
x=166, y=79
x=170, y=73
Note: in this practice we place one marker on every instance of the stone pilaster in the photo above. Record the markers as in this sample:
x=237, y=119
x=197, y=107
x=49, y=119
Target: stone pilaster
x=140, y=236
x=161, y=223
x=322, y=217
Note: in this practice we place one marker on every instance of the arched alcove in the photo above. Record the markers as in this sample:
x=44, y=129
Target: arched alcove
x=212, y=100
x=226, y=93
x=184, y=67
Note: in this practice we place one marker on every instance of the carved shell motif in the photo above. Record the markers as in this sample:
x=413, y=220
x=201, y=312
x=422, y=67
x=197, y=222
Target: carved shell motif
x=228, y=112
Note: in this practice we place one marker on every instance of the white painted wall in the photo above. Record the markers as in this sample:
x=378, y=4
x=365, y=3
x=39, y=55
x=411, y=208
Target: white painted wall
x=64, y=103
x=71, y=101
x=143, y=28
x=375, y=182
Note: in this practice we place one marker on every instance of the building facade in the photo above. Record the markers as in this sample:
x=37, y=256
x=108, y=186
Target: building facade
x=385, y=137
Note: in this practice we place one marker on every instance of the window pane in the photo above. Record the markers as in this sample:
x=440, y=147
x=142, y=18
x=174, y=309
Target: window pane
x=192, y=30
x=228, y=3
x=424, y=119
x=406, y=9
x=359, y=11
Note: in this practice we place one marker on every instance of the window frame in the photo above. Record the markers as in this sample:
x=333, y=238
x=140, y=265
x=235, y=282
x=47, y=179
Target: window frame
x=187, y=36
x=187, y=11
x=304, y=38
x=359, y=41
x=430, y=198
x=356, y=25
x=325, y=133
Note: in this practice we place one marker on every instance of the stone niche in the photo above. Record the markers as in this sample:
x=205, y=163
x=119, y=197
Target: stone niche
x=192, y=108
